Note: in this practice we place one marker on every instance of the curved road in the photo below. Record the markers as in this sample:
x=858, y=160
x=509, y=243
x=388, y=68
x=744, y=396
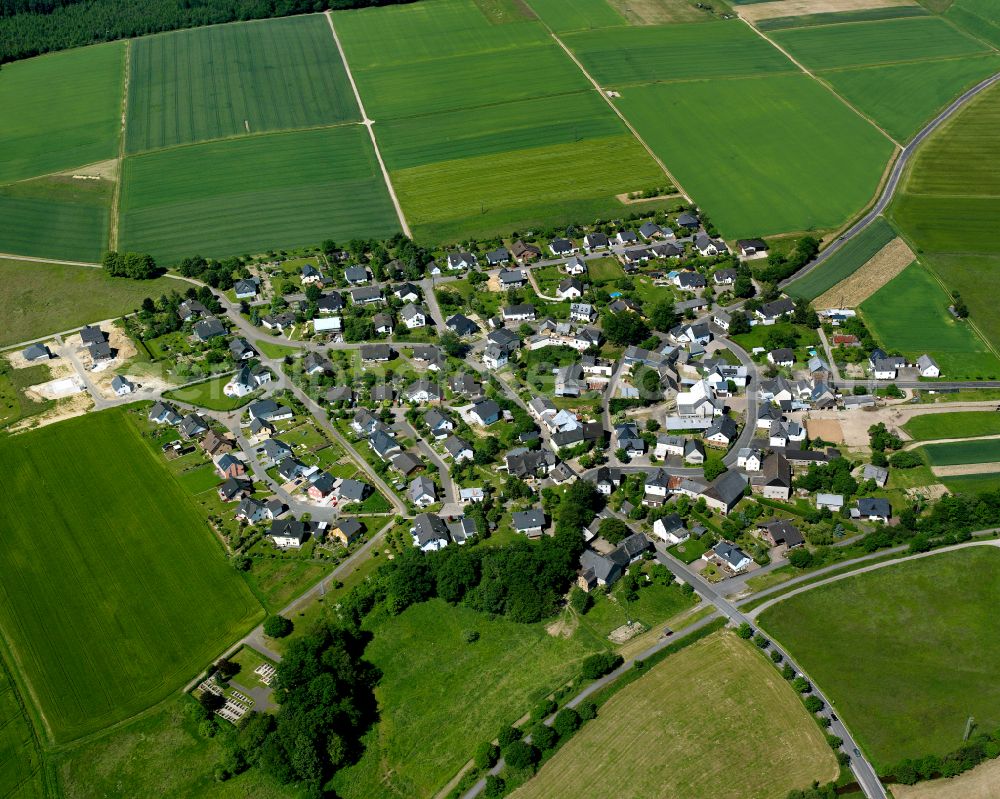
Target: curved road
x=893, y=182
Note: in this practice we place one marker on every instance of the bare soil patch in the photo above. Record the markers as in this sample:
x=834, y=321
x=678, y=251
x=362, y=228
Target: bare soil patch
x=66, y=408
x=106, y=170
x=660, y=12
x=125, y=351
x=626, y=632
x=929, y=492
x=966, y=468
x=850, y=292
x=55, y=389
x=796, y=8
x=979, y=783
x=827, y=429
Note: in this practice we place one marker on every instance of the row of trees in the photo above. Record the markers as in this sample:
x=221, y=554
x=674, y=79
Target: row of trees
x=31, y=27
x=780, y=266
x=135, y=265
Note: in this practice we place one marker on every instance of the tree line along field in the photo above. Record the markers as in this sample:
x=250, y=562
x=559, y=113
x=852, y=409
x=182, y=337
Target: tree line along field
x=845, y=262
x=256, y=193
x=948, y=204
x=905, y=681
x=910, y=314
x=231, y=80
x=716, y=701
x=113, y=593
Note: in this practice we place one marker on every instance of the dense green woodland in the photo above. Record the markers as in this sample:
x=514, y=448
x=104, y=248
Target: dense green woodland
x=29, y=28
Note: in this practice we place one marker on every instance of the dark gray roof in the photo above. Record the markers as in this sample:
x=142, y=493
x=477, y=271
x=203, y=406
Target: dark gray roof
x=528, y=519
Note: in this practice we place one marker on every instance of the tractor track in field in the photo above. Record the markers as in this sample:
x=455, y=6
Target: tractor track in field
x=116, y=197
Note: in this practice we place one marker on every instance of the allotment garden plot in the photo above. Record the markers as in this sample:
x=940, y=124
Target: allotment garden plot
x=114, y=592
x=904, y=680
x=254, y=194
x=231, y=80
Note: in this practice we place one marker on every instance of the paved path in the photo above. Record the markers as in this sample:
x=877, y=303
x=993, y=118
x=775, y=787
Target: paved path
x=893, y=181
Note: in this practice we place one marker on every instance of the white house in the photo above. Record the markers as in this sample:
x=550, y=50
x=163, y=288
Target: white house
x=927, y=367
x=671, y=529
x=412, y=316
x=576, y=265
x=122, y=385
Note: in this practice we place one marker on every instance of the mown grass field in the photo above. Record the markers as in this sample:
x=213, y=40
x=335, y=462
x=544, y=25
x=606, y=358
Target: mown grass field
x=629, y=55
x=21, y=774
x=864, y=637
x=60, y=111
x=717, y=702
x=160, y=754
x=845, y=262
x=880, y=42
x=757, y=170
x=113, y=592
x=962, y=452
x=972, y=483
x=231, y=80
x=910, y=314
x=902, y=98
x=55, y=217
x=835, y=17
x=430, y=727
x=960, y=424
x=276, y=191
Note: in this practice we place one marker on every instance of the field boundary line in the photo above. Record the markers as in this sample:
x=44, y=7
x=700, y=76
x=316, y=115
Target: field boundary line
x=969, y=34
x=614, y=108
x=371, y=133
x=822, y=83
x=116, y=197
x=983, y=55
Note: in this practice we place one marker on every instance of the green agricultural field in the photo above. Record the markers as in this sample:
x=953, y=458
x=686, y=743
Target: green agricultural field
x=523, y=188
x=477, y=688
x=21, y=776
x=910, y=314
x=278, y=191
x=32, y=309
x=845, y=262
x=575, y=15
x=835, y=17
x=757, y=171
x=467, y=81
x=407, y=33
x=279, y=74
x=60, y=111
x=864, y=636
x=718, y=700
x=209, y=395
x=624, y=56
x=55, y=217
x=981, y=18
x=162, y=753
x=126, y=596
x=958, y=424
x=972, y=483
x=881, y=42
x=902, y=98
x=963, y=452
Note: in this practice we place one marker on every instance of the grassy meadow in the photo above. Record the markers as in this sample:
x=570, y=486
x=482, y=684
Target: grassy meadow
x=910, y=314
x=56, y=217
x=902, y=98
x=972, y=483
x=962, y=452
x=125, y=595
x=718, y=701
x=574, y=15
x=279, y=74
x=878, y=42
x=209, y=394
x=430, y=727
x=21, y=775
x=845, y=262
x=33, y=309
x=277, y=191
x=959, y=424
x=750, y=155
x=60, y=111
x=865, y=636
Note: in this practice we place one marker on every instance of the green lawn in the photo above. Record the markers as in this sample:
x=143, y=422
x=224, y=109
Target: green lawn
x=864, y=637
x=277, y=74
x=209, y=395
x=910, y=314
x=879, y=42
x=846, y=261
x=656, y=604
x=475, y=690
x=689, y=551
x=125, y=595
x=961, y=452
x=248, y=195
x=160, y=754
x=278, y=581
x=758, y=169
x=902, y=98
x=56, y=217
x=959, y=424
x=14, y=403
x=32, y=308
x=642, y=54
x=60, y=111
